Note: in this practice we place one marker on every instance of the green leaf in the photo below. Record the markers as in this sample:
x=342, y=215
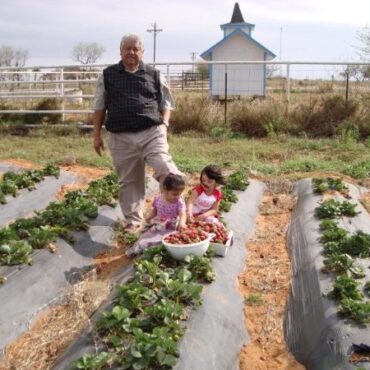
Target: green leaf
x=135, y=353
x=120, y=313
x=169, y=360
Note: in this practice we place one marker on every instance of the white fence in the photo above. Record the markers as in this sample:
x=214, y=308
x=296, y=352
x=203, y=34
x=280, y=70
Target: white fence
x=72, y=87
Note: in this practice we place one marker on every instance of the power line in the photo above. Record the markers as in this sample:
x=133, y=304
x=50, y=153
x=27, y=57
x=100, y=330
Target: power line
x=154, y=30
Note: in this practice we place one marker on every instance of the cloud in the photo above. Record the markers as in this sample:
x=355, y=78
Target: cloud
x=50, y=29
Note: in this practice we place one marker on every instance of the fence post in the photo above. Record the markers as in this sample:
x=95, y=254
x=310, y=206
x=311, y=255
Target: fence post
x=288, y=83
x=225, y=94
x=347, y=83
x=168, y=75
x=62, y=90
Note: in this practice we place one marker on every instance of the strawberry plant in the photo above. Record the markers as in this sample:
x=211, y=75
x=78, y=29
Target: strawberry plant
x=9, y=187
x=367, y=288
x=58, y=219
x=41, y=237
x=51, y=169
x=134, y=296
x=356, y=310
x=110, y=321
x=182, y=292
x=200, y=268
x=93, y=362
x=333, y=234
x=146, y=322
x=2, y=197
x=331, y=248
x=348, y=209
x=339, y=246
x=323, y=184
x=150, y=350
x=165, y=311
x=104, y=191
x=343, y=264
x=332, y=208
x=15, y=253
x=11, y=181
x=357, y=245
x=237, y=181
x=228, y=197
x=345, y=287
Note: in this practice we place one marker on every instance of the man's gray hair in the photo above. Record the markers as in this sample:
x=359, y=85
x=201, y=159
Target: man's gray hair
x=131, y=37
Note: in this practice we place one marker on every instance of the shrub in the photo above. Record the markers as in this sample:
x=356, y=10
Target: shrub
x=47, y=118
x=258, y=118
x=322, y=117
x=10, y=117
x=194, y=113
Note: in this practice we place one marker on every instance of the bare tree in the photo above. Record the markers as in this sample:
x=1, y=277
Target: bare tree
x=364, y=37
x=271, y=70
x=9, y=56
x=20, y=57
x=87, y=53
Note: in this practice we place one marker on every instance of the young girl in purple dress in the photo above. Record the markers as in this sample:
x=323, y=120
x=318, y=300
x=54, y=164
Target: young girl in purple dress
x=167, y=214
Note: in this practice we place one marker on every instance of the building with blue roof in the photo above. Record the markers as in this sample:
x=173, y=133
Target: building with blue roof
x=237, y=45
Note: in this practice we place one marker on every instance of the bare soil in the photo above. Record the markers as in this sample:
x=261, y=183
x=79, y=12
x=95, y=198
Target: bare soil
x=265, y=284
x=55, y=327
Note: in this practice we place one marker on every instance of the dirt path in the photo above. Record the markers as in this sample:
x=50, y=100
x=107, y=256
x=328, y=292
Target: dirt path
x=265, y=284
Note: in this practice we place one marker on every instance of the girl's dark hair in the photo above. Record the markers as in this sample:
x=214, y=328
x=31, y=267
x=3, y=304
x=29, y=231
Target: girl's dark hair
x=173, y=182
x=213, y=172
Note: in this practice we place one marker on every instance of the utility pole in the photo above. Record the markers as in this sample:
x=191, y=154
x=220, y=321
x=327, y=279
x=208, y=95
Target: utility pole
x=193, y=57
x=155, y=30
x=281, y=42
x=281, y=50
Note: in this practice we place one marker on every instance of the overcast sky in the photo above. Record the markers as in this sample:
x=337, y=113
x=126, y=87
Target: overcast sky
x=312, y=30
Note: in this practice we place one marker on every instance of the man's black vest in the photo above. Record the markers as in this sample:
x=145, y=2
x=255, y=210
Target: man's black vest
x=132, y=99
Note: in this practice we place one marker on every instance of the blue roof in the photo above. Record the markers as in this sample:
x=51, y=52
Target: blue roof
x=206, y=54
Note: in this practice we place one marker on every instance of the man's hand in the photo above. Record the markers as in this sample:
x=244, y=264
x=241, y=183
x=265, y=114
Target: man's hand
x=98, y=144
x=98, y=119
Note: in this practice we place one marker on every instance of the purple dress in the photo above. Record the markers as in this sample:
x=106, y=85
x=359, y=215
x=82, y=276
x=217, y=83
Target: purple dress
x=164, y=222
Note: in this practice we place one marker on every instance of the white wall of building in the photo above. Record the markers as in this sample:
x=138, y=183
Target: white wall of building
x=241, y=79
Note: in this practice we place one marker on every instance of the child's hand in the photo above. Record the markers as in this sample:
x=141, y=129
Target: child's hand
x=149, y=221
x=190, y=217
x=201, y=217
x=181, y=226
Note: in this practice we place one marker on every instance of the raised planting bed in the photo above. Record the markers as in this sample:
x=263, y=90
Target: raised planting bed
x=30, y=289
x=317, y=335
x=216, y=327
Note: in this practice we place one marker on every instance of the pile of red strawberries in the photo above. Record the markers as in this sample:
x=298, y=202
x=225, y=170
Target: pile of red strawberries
x=198, y=231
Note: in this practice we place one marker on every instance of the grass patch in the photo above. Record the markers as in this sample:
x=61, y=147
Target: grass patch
x=253, y=299
x=192, y=151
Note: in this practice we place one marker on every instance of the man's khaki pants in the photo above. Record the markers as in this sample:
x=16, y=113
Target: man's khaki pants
x=130, y=152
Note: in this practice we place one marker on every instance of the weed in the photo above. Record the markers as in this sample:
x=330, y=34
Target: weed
x=253, y=299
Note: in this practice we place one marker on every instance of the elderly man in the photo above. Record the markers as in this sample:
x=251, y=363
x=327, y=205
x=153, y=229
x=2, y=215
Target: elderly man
x=135, y=103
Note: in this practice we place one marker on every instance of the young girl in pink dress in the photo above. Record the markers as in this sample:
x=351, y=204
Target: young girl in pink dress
x=167, y=214
x=205, y=198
